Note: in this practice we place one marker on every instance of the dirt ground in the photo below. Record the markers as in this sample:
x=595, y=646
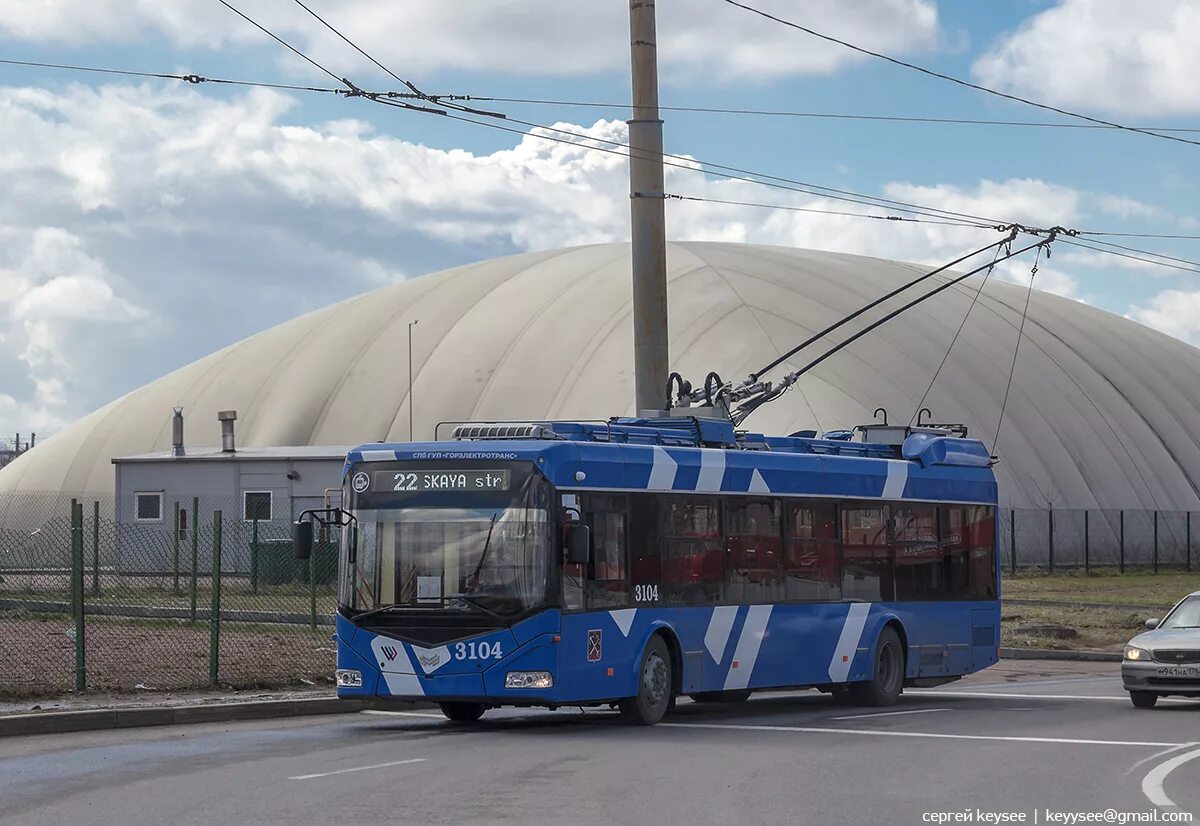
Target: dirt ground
x=38, y=656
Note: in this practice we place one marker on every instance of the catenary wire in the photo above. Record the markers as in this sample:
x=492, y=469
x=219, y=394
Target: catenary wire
x=1075, y=243
x=190, y=78
x=279, y=39
x=676, y=197
x=1017, y=347
x=717, y=110
x=959, y=81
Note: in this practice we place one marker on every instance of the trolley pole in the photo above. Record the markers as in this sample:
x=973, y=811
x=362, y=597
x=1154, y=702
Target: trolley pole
x=647, y=214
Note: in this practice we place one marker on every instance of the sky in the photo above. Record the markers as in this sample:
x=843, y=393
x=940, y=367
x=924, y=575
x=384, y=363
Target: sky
x=146, y=222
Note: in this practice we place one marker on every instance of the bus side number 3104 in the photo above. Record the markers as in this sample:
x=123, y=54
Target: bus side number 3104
x=477, y=651
x=645, y=593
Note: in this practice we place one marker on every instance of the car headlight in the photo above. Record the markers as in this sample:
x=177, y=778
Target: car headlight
x=349, y=678
x=528, y=679
x=1132, y=652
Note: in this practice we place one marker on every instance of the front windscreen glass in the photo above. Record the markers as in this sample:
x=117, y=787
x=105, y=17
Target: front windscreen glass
x=1185, y=615
x=471, y=539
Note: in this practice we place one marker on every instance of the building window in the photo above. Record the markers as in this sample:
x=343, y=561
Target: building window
x=147, y=507
x=256, y=506
x=183, y=524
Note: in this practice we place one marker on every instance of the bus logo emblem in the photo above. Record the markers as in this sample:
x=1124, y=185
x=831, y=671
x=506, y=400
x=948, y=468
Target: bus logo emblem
x=593, y=646
x=361, y=482
x=430, y=661
x=390, y=652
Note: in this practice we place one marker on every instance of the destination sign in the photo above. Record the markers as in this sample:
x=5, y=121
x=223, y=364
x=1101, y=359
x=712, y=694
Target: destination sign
x=421, y=481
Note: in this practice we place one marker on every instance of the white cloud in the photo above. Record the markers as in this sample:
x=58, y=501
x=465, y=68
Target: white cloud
x=220, y=218
x=1132, y=59
x=1174, y=312
x=516, y=37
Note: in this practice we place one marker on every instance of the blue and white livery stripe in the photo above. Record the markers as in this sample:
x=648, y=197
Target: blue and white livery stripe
x=749, y=642
x=847, y=644
x=719, y=626
x=897, y=478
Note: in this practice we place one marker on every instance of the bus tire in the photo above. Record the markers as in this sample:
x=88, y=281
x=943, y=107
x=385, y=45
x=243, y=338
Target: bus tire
x=721, y=696
x=888, y=681
x=654, y=686
x=462, y=712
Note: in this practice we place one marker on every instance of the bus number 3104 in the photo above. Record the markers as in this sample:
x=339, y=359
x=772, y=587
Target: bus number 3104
x=477, y=651
x=645, y=593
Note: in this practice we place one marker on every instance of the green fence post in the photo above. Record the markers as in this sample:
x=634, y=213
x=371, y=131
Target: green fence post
x=195, y=550
x=1012, y=538
x=175, y=552
x=95, y=549
x=1156, y=542
x=214, y=646
x=1087, y=544
x=77, y=595
x=254, y=557
x=1122, y=521
x=312, y=588
x=1050, y=549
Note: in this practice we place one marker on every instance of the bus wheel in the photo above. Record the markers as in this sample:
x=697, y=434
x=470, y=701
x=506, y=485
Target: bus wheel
x=885, y=688
x=462, y=712
x=654, y=686
x=721, y=696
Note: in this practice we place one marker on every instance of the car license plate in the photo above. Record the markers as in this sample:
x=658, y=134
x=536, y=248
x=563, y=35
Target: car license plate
x=1179, y=671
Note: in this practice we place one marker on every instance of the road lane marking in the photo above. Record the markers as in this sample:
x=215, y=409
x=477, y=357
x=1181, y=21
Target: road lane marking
x=998, y=695
x=928, y=734
x=358, y=769
x=1152, y=784
x=1157, y=755
x=889, y=713
x=403, y=713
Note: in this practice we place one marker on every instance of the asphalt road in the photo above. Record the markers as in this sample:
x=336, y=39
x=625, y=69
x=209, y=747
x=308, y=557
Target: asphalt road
x=1021, y=738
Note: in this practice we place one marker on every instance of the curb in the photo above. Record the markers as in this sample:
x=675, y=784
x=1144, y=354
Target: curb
x=1052, y=654
x=1054, y=603
x=58, y=722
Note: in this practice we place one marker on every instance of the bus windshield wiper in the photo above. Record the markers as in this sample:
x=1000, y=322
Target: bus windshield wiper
x=382, y=609
x=474, y=602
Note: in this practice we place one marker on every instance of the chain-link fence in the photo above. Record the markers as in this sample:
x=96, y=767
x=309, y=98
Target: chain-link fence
x=87, y=602
x=1117, y=540
x=192, y=600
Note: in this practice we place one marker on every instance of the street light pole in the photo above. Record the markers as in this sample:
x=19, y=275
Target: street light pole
x=647, y=216
x=411, y=324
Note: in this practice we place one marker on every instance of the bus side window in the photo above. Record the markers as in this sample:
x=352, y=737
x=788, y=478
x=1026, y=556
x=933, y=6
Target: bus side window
x=693, y=550
x=812, y=561
x=753, y=551
x=920, y=574
x=645, y=551
x=607, y=584
x=866, y=553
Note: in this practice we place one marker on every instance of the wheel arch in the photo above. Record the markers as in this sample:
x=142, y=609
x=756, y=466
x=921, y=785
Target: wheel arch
x=892, y=621
x=671, y=638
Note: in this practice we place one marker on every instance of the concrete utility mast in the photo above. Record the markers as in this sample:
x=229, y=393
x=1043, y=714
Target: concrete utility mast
x=647, y=218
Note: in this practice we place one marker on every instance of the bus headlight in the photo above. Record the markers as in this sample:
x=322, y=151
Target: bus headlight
x=349, y=678
x=528, y=679
x=1135, y=653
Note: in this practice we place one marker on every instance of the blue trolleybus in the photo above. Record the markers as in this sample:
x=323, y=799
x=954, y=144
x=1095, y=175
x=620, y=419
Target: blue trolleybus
x=633, y=561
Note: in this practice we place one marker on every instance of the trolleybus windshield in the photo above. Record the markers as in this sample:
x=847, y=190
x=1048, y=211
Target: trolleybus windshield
x=448, y=538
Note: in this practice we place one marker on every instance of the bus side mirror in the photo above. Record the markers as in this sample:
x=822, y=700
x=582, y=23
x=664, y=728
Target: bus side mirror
x=579, y=542
x=1151, y=624
x=302, y=539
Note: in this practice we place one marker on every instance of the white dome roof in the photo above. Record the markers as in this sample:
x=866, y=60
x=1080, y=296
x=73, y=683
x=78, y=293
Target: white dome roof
x=1103, y=411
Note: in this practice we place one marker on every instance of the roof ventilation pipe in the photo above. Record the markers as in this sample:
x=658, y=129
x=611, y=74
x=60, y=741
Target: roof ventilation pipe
x=227, y=418
x=177, y=432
